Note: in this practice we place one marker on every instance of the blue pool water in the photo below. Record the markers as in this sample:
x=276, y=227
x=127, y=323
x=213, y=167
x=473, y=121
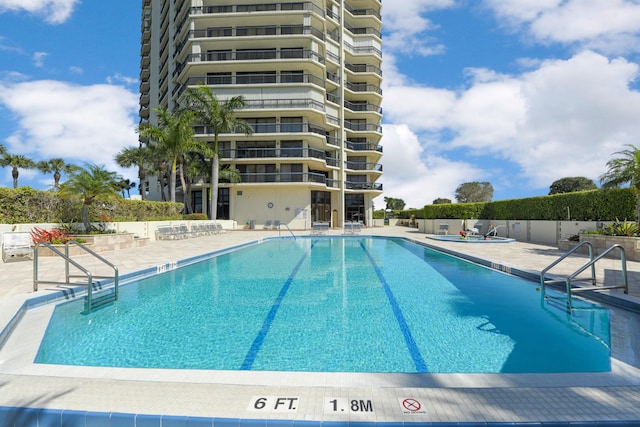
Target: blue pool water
x=332, y=305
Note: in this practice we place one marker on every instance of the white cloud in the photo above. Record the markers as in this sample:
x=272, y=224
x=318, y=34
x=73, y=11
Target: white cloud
x=563, y=118
x=54, y=11
x=77, y=123
x=611, y=26
x=38, y=59
x=405, y=25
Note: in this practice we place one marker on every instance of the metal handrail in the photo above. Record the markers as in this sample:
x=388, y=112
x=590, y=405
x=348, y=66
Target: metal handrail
x=281, y=224
x=90, y=276
x=68, y=261
x=623, y=260
x=97, y=256
x=543, y=281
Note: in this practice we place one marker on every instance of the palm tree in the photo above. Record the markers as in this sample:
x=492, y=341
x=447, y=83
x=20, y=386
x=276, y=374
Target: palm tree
x=141, y=158
x=174, y=137
x=126, y=185
x=56, y=166
x=91, y=183
x=624, y=170
x=219, y=117
x=16, y=161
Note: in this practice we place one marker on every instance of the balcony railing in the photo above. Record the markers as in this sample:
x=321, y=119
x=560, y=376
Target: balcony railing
x=265, y=7
x=255, y=55
x=363, y=50
x=363, y=166
x=287, y=177
x=363, y=127
x=362, y=107
x=303, y=127
x=255, y=79
x=362, y=12
x=350, y=185
x=291, y=153
x=363, y=68
x=271, y=30
x=268, y=104
x=363, y=146
x=363, y=87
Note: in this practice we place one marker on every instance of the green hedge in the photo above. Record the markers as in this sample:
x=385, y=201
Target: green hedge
x=26, y=205
x=602, y=205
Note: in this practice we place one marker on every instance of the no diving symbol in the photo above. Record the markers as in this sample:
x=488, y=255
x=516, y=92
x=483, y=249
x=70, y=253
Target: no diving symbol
x=411, y=406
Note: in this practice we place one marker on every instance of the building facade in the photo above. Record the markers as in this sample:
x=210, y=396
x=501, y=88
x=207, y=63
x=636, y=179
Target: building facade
x=310, y=72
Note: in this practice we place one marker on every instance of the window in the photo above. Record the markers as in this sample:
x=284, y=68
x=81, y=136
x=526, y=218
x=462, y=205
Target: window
x=291, y=124
x=291, y=149
x=218, y=78
x=292, y=77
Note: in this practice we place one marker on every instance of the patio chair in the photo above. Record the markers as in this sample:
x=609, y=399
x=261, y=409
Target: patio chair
x=220, y=229
x=165, y=232
x=319, y=228
x=16, y=246
x=267, y=224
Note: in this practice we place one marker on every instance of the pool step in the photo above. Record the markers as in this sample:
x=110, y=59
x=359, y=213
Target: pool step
x=100, y=299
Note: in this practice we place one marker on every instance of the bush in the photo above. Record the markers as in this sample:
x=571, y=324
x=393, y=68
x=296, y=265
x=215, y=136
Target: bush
x=196, y=217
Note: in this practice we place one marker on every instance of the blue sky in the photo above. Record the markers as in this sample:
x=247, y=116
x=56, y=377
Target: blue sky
x=518, y=93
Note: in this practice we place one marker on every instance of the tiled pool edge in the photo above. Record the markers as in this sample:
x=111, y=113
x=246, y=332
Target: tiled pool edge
x=36, y=417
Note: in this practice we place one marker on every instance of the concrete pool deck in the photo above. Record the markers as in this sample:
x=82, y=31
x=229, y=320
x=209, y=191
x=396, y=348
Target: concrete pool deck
x=252, y=397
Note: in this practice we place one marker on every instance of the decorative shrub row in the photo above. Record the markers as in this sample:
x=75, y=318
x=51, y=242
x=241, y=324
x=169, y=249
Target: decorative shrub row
x=596, y=205
x=26, y=205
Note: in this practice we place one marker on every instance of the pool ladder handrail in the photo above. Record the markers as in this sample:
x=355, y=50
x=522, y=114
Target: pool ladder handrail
x=569, y=280
x=89, y=303
x=281, y=224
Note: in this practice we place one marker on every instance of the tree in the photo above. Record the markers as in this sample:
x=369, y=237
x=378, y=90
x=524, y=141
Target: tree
x=16, y=161
x=139, y=157
x=441, y=201
x=174, y=137
x=56, y=166
x=219, y=117
x=470, y=192
x=572, y=184
x=126, y=185
x=90, y=183
x=624, y=170
x=394, y=204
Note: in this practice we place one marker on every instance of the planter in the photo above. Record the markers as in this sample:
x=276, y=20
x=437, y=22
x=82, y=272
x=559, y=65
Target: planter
x=99, y=243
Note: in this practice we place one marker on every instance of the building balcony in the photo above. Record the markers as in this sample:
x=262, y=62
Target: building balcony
x=363, y=166
x=264, y=7
x=256, y=31
x=256, y=79
x=278, y=153
x=363, y=127
x=363, y=12
x=350, y=185
x=287, y=178
x=363, y=87
x=363, y=68
x=285, y=128
x=363, y=146
x=256, y=55
x=361, y=107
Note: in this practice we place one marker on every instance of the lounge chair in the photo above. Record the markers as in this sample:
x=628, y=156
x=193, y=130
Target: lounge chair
x=16, y=245
x=165, y=232
x=276, y=224
x=220, y=229
x=319, y=228
x=267, y=224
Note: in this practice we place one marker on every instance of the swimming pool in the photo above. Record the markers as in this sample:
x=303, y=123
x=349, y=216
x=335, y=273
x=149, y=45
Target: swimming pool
x=332, y=305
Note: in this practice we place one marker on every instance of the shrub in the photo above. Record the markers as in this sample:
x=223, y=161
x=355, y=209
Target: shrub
x=57, y=236
x=196, y=217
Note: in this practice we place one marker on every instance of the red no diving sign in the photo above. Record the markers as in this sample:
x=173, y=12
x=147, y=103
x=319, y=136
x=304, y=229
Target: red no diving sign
x=411, y=406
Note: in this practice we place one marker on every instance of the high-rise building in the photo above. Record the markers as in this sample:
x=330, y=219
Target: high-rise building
x=310, y=72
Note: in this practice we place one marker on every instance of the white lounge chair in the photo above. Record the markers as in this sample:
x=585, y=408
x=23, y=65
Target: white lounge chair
x=444, y=229
x=16, y=245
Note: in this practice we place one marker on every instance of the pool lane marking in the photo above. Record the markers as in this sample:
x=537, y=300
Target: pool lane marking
x=419, y=362
x=259, y=340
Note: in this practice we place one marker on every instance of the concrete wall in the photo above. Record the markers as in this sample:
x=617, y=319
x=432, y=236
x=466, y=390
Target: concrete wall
x=541, y=232
x=142, y=229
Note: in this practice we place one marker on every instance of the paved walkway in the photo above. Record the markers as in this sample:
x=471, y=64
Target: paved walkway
x=317, y=396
